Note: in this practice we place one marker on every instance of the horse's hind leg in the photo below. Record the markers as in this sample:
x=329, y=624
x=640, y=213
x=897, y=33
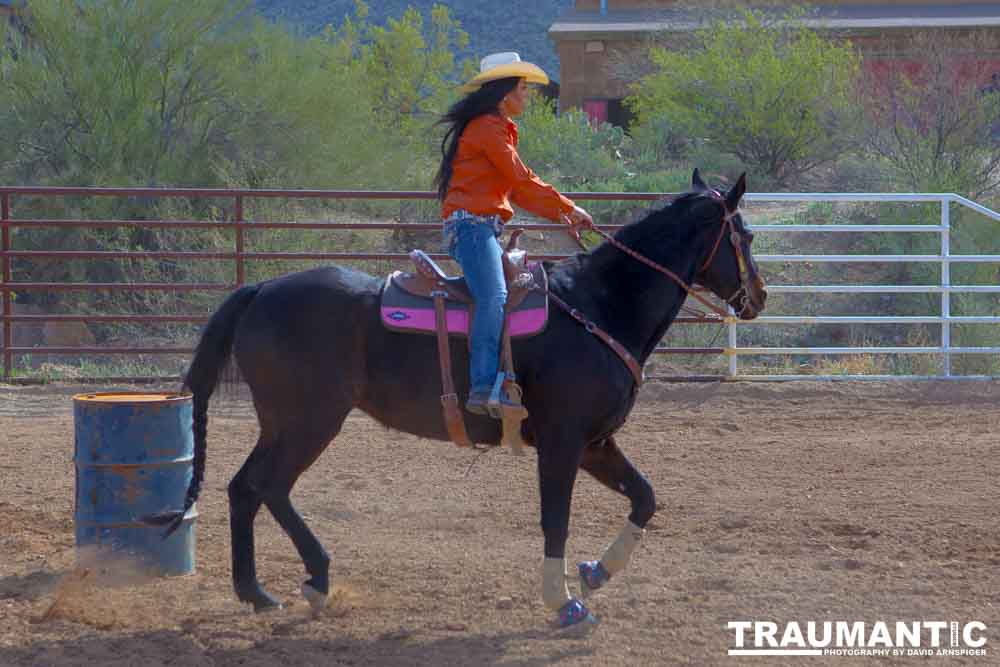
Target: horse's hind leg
x=606, y=463
x=244, y=504
x=272, y=480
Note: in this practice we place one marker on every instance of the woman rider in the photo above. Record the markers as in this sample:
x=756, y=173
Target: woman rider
x=480, y=176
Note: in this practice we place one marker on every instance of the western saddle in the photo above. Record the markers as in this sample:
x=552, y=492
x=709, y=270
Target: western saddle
x=526, y=289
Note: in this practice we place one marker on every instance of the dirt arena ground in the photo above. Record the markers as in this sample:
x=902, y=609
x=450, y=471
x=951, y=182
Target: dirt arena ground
x=783, y=502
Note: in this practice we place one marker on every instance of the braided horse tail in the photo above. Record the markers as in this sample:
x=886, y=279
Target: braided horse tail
x=202, y=376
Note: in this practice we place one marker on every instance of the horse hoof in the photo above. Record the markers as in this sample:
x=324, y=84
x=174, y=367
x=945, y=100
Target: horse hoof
x=574, y=614
x=265, y=606
x=316, y=599
x=264, y=602
x=261, y=600
x=593, y=575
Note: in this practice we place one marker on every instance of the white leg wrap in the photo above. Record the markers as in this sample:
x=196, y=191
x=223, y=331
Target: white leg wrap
x=617, y=555
x=555, y=593
x=317, y=601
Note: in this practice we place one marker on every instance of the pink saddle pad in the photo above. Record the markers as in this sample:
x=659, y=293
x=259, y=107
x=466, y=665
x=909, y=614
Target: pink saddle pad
x=408, y=313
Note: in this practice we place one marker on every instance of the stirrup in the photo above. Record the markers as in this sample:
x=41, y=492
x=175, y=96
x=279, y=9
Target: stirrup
x=501, y=404
x=505, y=405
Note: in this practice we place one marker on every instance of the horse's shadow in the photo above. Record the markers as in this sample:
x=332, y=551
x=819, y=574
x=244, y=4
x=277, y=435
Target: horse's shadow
x=31, y=586
x=176, y=647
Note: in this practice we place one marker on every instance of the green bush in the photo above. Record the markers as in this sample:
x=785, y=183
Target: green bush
x=774, y=93
x=567, y=149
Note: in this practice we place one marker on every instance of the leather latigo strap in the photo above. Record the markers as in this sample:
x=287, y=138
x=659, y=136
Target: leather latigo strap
x=605, y=337
x=449, y=399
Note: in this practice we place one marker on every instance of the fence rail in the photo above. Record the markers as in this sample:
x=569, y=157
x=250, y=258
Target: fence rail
x=945, y=258
x=240, y=256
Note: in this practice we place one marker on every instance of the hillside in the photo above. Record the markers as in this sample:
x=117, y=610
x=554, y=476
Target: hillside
x=512, y=25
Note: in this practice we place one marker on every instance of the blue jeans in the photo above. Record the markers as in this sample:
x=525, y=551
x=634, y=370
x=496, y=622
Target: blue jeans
x=472, y=242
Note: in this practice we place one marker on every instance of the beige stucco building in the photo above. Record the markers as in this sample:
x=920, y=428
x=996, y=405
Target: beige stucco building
x=595, y=36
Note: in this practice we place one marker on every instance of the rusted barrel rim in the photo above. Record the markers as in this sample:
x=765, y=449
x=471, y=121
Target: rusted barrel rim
x=120, y=397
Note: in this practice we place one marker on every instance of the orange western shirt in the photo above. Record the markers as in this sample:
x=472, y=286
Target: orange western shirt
x=487, y=175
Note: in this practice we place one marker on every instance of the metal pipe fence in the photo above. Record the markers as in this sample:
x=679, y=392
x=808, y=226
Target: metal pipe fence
x=242, y=259
x=945, y=288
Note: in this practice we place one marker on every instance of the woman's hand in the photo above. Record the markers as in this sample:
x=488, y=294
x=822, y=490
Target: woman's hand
x=580, y=219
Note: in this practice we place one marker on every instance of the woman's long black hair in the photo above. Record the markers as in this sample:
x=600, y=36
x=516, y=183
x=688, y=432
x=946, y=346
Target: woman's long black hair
x=483, y=101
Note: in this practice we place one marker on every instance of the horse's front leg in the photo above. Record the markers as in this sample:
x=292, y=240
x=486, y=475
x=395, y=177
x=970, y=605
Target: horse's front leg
x=606, y=463
x=558, y=462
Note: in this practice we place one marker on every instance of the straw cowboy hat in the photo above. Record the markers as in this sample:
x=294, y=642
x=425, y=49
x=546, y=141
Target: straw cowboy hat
x=503, y=65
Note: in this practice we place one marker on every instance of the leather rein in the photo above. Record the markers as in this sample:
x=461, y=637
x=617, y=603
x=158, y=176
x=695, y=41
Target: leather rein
x=718, y=313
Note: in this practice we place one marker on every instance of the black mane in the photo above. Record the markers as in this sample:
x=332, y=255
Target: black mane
x=632, y=301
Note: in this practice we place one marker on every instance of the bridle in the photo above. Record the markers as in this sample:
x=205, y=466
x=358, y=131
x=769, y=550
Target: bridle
x=735, y=238
x=718, y=314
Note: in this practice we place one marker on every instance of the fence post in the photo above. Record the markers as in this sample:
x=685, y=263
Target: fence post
x=8, y=305
x=946, y=285
x=238, y=219
x=733, y=358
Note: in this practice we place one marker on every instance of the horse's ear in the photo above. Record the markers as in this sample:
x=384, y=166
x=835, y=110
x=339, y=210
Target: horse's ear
x=736, y=193
x=697, y=184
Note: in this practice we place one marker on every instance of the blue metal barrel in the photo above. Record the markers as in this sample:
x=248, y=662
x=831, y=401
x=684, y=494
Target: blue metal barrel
x=133, y=455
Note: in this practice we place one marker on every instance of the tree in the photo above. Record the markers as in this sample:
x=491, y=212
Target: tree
x=772, y=92
x=933, y=114
x=122, y=92
x=300, y=113
x=411, y=68
x=154, y=92
x=410, y=72
x=116, y=91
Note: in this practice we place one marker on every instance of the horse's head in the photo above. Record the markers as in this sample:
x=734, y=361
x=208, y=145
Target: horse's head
x=727, y=267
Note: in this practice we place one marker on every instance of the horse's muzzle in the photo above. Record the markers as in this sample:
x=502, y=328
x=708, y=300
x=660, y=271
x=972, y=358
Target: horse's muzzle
x=754, y=299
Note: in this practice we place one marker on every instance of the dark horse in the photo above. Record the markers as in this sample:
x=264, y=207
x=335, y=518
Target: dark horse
x=311, y=347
